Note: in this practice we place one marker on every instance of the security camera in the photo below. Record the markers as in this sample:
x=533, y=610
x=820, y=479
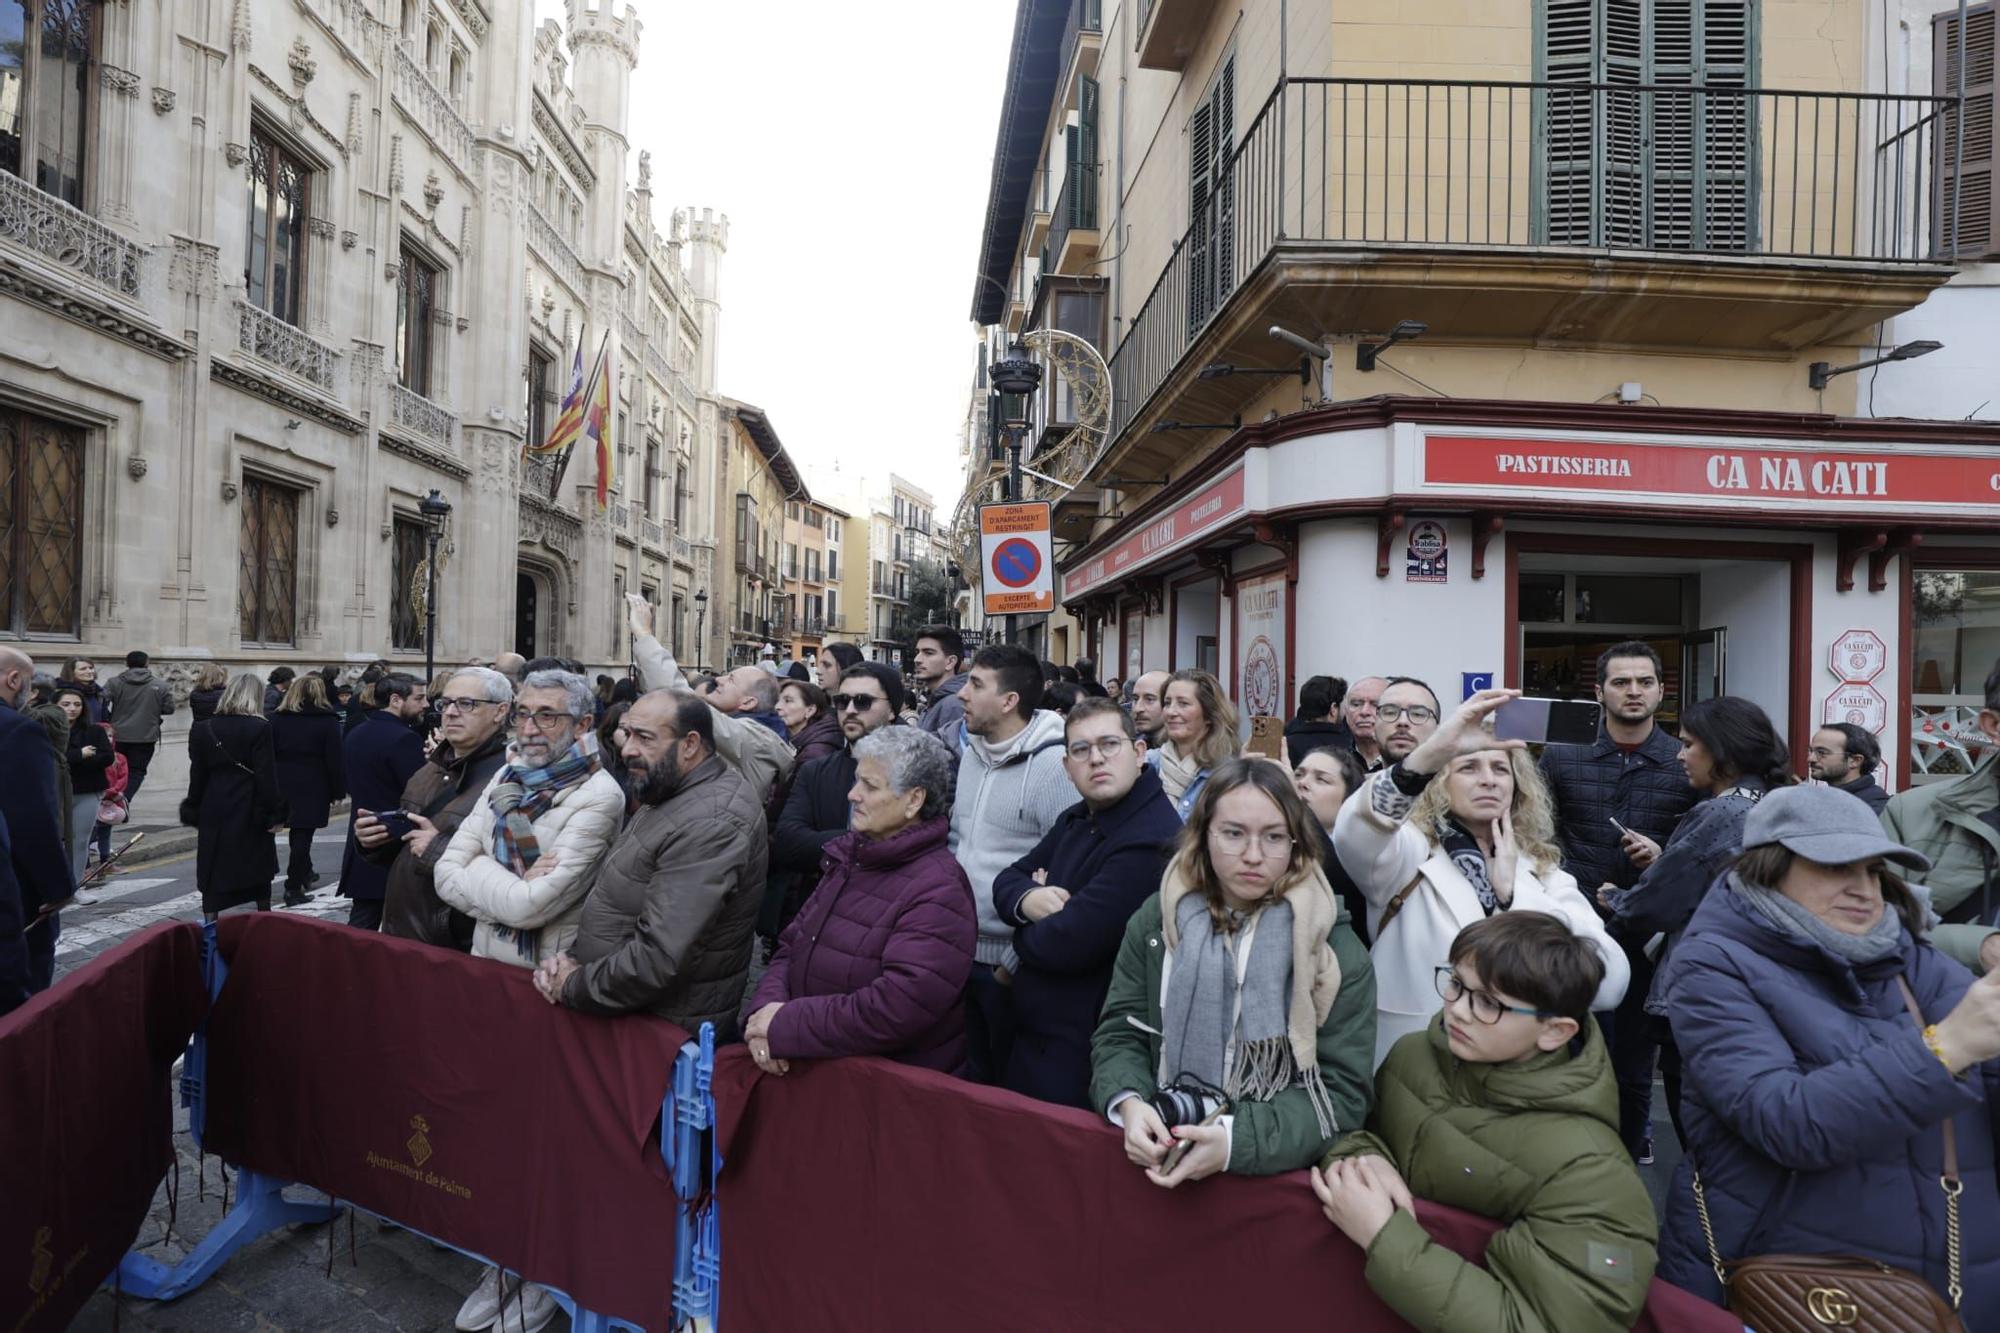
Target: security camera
x=1290, y=339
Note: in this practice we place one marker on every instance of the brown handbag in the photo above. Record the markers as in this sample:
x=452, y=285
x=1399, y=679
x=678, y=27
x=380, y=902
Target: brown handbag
x=1811, y=1293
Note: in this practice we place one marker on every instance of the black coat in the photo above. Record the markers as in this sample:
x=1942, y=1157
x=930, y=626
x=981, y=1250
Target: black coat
x=87, y=774
x=310, y=772
x=202, y=703
x=1111, y=863
x=35, y=862
x=1867, y=789
x=379, y=757
x=815, y=814
x=1303, y=737
x=1647, y=791
x=234, y=800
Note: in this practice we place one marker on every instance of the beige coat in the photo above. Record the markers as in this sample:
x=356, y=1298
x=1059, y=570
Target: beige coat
x=577, y=830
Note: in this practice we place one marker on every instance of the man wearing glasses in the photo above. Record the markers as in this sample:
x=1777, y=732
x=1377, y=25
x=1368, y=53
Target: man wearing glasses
x=1405, y=717
x=867, y=697
x=473, y=746
x=1069, y=899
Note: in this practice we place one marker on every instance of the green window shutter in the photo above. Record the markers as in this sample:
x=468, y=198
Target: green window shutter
x=1083, y=200
x=1224, y=188
x=1567, y=132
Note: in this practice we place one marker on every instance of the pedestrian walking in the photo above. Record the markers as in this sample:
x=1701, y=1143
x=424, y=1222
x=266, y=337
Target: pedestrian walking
x=137, y=701
x=34, y=875
x=305, y=738
x=275, y=685
x=233, y=802
x=55, y=727
x=90, y=755
x=1454, y=831
x=210, y=679
x=875, y=962
x=1842, y=1091
x=1240, y=1024
x=81, y=674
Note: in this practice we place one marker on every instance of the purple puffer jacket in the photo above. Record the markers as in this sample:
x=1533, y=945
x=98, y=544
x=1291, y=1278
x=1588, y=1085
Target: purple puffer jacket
x=875, y=962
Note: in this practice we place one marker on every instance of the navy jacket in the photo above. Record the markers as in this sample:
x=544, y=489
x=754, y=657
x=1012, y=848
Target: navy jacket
x=36, y=861
x=1110, y=862
x=1647, y=791
x=379, y=757
x=815, y=814
x=1796, y=1061
x=1303, y=737
x=308, y=748
x=1867, y=789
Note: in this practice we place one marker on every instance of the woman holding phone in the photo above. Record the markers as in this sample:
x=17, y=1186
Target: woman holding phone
x=1459, y=829
x=1238, y=1033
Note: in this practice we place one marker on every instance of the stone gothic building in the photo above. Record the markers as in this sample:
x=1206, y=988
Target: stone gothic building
x=272, y=271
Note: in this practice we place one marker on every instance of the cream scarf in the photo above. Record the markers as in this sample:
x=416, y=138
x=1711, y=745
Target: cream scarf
x=1177, y=774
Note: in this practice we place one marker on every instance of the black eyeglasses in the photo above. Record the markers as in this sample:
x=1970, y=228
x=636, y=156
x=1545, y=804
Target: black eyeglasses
x=545, y=719
x=1397, y=712
x=860, y=703
x=1486, y=1007
x=464, y=705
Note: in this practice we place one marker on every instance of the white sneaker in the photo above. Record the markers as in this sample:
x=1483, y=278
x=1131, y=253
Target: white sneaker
x=84, y=898
x=482, y=1307
x=533, y=1311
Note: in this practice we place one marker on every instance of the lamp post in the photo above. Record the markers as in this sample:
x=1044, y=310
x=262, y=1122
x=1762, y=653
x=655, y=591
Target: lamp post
x=1016, y=377
x=700, y=615
x=435, y=510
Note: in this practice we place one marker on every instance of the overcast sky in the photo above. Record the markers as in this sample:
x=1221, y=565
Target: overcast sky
x=851, y=147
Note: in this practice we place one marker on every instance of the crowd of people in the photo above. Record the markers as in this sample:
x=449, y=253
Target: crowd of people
x=1410, y=958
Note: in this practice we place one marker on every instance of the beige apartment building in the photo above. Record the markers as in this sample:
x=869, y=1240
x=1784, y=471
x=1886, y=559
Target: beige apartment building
x=1460, y=339
x=810, y=598
x=761, y=482
x=271, y=274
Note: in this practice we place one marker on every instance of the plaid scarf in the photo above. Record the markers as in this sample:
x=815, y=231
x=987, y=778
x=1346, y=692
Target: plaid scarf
x=521, y=795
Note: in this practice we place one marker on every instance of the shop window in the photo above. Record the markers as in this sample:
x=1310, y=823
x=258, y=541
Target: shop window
x=407, y=587
x=1623, y=599
x=47, y=91
x=267, y=568
x=279, y=200
x=1543, y=599
x=41, y=534
x=1955, y=641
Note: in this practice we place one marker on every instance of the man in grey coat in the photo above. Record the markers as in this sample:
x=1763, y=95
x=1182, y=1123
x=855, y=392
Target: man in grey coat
x=669, y=924
x=134, y=704
x=936, y=666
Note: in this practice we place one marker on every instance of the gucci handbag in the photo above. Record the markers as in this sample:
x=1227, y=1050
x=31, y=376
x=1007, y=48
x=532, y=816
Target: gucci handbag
x=1812, y=1293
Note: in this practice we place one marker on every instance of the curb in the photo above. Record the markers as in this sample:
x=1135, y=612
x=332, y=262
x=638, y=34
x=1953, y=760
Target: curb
x=164, y=842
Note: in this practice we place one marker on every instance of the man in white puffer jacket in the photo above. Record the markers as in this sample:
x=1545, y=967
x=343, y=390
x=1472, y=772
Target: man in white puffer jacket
x=520, y=866
x=1458, y=829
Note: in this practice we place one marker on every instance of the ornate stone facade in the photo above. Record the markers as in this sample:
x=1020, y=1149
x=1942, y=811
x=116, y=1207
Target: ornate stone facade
x=451, y=233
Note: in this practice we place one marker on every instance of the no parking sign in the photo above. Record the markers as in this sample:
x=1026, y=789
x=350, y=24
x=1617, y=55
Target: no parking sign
x=1015, y=554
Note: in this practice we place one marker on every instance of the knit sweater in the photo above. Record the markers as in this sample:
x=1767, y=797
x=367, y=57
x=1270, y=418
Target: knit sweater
x=1009, y=796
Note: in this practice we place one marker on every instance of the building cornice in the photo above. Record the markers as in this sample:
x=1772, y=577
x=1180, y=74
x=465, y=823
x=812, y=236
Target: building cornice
x=1032, y=73
x=236, y=376
x=561, y=144
x=96, y=315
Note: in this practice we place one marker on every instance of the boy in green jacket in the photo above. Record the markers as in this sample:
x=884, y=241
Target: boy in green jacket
x=1505, y=1107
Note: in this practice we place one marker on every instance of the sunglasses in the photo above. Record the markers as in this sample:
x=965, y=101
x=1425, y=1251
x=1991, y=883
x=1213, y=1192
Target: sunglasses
x=860, y=703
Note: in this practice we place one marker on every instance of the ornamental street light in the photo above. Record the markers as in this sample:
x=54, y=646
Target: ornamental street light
x=700, y=615
x=435, y=510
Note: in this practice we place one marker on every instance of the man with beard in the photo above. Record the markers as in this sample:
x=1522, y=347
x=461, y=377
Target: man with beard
x=475, y=708
x=1617, y=801
x=867, y=697
x=668, y=926
x=1405, y=718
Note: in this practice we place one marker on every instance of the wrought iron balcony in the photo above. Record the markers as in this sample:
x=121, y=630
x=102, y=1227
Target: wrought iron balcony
x=538, y=475
x=1083, y=32
x=1554, y=211
x=419, y=416
x=68, y=237
x=1074, y=227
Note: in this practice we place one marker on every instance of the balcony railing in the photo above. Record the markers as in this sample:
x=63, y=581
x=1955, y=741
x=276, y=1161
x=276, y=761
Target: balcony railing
x=430, y=108
x=1612, y=171
x=1076, y=208
x=538, y=475
x=272, y=340
x=653, y=533
x=68, y=236
x=1084, y=16
x=418, y=415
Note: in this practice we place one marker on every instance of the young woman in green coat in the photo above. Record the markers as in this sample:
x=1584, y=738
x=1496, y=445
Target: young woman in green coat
x=1505, y=1107
x=1240, y=1025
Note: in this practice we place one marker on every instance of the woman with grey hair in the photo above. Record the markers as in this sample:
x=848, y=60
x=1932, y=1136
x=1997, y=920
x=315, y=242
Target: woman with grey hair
x=875, y=962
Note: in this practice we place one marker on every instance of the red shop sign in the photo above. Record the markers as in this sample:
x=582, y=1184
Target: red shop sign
x=1717, y=470
x=1214, y=504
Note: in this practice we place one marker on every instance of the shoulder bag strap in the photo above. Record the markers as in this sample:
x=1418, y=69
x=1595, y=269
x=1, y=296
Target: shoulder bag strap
x=1949, y=1182
x=1396, y=904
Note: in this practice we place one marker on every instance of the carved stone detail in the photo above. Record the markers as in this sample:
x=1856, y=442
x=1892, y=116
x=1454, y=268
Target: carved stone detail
x=349, y=239
x=135, y=467
x=163, y=101
x=228, y=490
x=121, y=81
x=304, y=67
x=332, y=517
x=433, y=191
x=68, y=236
x=235, y=154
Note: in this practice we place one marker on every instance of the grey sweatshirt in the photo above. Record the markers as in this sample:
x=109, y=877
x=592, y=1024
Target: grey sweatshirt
x=1009, y=796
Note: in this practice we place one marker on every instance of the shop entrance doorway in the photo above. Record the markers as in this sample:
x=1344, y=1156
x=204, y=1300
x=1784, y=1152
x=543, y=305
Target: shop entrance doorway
x=1724, y=617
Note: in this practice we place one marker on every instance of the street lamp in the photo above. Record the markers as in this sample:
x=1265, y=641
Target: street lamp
x=700, y=614
x=1016, y=377
x=435, y=510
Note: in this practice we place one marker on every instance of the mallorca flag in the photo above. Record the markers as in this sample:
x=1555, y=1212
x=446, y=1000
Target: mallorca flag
x=597, y=419
x=569, y=421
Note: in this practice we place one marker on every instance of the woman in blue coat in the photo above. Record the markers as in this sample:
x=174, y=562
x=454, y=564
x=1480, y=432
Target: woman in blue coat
x=1814, y=1102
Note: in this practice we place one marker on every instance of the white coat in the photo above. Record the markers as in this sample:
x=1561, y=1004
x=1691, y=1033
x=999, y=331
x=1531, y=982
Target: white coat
x=1383, y=853
x=577, y=829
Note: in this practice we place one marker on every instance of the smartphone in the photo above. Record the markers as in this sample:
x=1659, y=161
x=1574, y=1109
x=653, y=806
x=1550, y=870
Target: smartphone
x=1546, y=721
x=397, y=822
x=1623, y=832
x=1181, y=1147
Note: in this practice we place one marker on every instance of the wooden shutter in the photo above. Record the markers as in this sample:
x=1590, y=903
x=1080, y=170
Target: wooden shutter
x=267, y=559
x=1201, y=162
x=1224, y=189
x=1570, y=49
x=1977, y=230
x=1726, y=127
x=1083, y=200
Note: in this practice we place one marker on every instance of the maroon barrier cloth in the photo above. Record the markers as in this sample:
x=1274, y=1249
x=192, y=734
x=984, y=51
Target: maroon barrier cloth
x=444, y=1092
x=867, y=1195
x=86, y=1119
